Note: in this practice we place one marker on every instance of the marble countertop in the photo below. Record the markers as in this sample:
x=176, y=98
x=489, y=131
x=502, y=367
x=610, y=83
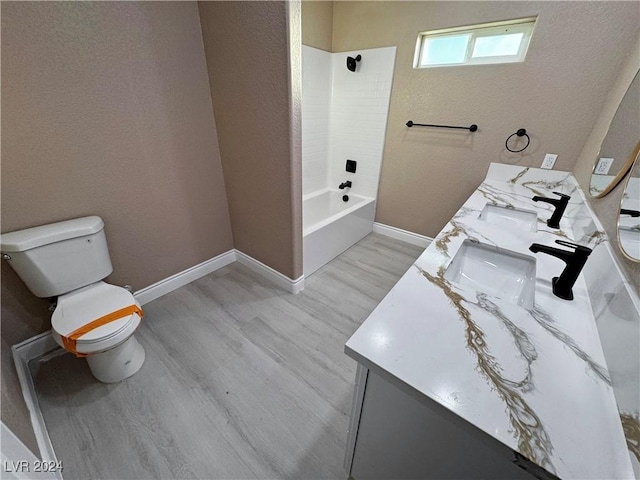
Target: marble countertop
x=535, y=379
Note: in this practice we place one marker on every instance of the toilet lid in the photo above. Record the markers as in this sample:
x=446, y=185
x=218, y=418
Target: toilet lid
x=87, y=304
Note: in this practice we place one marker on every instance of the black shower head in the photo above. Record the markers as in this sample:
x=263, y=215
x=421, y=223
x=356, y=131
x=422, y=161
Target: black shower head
x=351, y=62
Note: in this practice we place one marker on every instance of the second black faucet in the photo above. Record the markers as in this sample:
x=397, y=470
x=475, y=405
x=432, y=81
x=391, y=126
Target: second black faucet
x=344, y=185
x=560, y=204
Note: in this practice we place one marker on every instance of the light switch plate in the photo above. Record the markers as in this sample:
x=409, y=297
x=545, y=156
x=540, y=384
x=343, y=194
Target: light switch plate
x=549, y=161
x=603, y=166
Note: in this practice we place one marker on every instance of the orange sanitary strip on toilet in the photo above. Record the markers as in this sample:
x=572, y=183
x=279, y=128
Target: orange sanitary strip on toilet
x=70, y=340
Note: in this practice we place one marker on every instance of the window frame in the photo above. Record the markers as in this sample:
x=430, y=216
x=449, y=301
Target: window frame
x=525, y=26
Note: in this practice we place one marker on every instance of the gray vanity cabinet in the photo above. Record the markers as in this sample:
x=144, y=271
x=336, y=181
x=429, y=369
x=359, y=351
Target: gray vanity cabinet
x=400, y=437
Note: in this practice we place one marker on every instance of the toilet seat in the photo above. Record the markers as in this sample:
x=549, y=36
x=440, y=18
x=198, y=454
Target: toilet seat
x=81, y=307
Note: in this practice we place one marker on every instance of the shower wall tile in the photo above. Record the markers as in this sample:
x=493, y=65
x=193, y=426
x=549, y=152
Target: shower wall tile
x=359, y=111
x=344, y=116
x=316, y=105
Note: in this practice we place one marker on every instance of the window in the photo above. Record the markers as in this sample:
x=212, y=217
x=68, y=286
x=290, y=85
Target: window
x=498, y=42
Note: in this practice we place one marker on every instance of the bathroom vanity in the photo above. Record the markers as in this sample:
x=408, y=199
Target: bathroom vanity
x=472, y=368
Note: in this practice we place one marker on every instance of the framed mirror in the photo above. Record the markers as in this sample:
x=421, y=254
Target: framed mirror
x=629, y=217
x=620, y=145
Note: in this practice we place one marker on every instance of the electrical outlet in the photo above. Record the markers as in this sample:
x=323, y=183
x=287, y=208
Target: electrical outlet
x=603, y=166
x=549, y=161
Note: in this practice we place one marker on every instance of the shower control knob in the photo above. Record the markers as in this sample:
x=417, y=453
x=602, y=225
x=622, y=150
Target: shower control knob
x=351, y=63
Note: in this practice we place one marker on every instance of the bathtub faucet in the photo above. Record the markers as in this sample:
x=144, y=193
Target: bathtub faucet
x=344, y=185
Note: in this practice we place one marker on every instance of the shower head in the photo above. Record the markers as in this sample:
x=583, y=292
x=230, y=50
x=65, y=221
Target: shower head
x=351, y=62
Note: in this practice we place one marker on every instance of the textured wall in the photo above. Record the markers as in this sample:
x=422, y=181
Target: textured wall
x=106, y=110
x=556, y=94
x=247, y=51
x=607, y=208
x=624, y=132
x=317, y=24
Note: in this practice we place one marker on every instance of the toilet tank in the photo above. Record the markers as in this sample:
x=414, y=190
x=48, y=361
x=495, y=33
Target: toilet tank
x=58, y=258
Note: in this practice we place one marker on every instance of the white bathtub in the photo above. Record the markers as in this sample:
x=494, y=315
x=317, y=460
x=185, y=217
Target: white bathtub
x=330, y=225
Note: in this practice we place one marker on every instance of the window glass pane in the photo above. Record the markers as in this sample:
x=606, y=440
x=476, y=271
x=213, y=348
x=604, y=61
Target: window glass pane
x=444, y=50
x=497, y=46
x=487, y=43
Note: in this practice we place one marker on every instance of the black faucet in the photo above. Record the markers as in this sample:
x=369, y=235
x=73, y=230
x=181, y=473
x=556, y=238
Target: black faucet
x=575, y=260
x=344, y=185
x=559, y=203
x=632, y=213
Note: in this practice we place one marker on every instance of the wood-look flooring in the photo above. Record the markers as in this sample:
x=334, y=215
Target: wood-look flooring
x=241, y=379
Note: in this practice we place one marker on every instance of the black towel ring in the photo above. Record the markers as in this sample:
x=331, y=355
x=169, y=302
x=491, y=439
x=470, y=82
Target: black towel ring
x=521, y=133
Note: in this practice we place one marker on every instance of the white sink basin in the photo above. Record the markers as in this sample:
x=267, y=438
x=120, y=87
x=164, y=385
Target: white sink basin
x=498, y=272
x=510, y=217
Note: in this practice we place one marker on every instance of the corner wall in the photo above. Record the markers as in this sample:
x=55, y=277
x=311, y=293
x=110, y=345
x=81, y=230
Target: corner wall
x=248, y=57
x=556, y=94
x=106, y=110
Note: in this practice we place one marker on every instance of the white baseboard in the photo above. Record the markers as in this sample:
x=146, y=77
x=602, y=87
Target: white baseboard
x=404, y=235
x=23, y=353
x=180, y=279
x=292, y=286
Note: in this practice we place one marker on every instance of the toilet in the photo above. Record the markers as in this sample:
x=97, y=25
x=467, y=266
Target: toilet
x=92, y=318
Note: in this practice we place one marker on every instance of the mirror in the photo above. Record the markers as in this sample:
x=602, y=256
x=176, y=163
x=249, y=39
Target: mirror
x=620, y=146
x=629, y=218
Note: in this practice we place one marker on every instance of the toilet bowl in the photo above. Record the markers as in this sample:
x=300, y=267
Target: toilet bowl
x=104, y=318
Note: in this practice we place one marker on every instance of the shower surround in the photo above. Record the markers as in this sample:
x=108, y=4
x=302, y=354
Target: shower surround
x=344, y=116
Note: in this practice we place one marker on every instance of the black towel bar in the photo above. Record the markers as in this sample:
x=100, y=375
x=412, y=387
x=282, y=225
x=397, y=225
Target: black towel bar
x=472, y=128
